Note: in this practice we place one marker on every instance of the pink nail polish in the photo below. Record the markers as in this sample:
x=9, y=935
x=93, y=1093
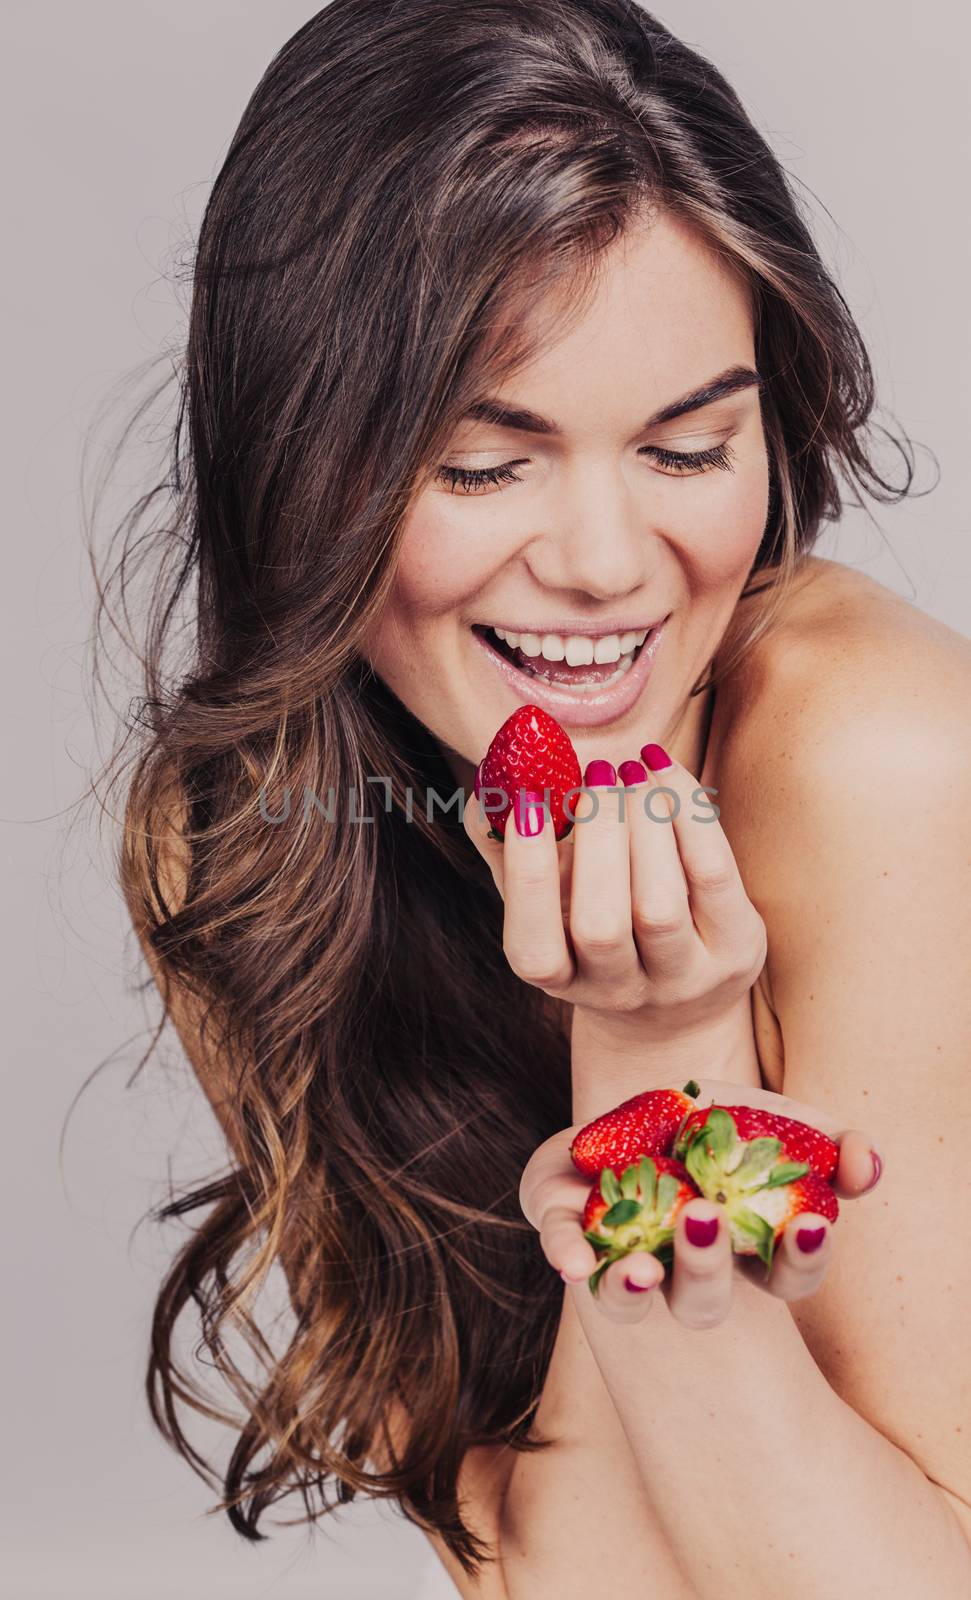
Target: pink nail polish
x=877, y=1169
x=656, y=758
x=701, y=1231
x=599, y=774
x=630, y=772
x=530, y=813
x=810, y=1238
x=636, y=1288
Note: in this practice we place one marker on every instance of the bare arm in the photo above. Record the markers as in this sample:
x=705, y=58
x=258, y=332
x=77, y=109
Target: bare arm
x=824, y=1443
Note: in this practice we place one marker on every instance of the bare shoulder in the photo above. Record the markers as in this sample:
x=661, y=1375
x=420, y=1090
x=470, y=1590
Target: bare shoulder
x=851, y=679
x=844, y=646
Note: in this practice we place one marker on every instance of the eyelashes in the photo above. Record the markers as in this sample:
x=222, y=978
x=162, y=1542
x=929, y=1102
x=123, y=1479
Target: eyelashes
x=674, y=462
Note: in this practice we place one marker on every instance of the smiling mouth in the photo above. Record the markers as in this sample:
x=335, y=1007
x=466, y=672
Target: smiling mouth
x=592, y=675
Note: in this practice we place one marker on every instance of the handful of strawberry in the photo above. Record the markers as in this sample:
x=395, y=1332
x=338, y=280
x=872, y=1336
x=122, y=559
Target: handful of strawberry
x=658, y=1150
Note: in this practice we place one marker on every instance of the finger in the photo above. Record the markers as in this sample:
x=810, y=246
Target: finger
x=801, y=1257
x=627, y=1290
x=600, y=894
x=859, y=1167
x=546, y=1172
x=664, y=932
x=477, y=824
x=701, y=1283
x=533, y=938
x=720, y=906
x=562, y=1241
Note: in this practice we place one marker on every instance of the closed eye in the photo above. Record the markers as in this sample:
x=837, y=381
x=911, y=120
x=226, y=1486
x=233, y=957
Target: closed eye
x=471, y=479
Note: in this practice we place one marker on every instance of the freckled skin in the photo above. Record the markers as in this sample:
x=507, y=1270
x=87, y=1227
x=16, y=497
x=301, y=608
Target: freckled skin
x=596, y=526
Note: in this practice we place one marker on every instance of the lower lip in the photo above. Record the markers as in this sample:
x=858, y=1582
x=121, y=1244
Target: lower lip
x=570, y=708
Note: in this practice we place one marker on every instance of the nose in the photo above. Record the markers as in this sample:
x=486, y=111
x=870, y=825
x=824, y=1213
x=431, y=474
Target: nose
x=599, y=541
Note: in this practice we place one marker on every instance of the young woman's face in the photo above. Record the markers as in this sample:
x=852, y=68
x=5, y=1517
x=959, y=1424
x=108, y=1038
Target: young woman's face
x=602, y=517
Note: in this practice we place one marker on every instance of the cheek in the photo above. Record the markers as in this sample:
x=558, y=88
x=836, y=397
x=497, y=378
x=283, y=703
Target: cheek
x=724, y=534
x=440, y=565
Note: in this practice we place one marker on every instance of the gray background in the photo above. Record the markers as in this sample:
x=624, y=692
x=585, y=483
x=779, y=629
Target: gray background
x=117, y=114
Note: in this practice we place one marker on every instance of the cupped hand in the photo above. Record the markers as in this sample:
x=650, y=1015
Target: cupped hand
x=698, y=1287
x=638, y=916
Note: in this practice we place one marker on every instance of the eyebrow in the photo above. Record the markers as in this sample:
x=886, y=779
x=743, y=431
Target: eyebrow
x=728, y=382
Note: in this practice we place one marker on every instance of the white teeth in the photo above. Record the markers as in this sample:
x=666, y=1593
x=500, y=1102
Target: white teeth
x=577, y=649
x=608, y=649
x=624, y=665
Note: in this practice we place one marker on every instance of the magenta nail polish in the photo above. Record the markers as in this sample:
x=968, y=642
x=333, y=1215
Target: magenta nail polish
x=656, y=758
x=631, y=772
x=877, y=1169
x=530, y=813
x=701, y=1232
x=599, y=774
x=810, y=1238
x=636, y=1288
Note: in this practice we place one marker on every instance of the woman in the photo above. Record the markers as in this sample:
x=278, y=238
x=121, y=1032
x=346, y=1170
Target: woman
x=504, y=319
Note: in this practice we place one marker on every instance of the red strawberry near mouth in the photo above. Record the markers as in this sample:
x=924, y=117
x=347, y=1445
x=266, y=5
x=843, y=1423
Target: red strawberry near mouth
x=800, y=1141
x=530, y=751
x=645, y=1125
x=761, y=1189
x=636, y=1211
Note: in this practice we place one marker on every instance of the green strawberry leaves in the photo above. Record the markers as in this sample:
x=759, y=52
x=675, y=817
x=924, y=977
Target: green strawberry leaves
x=667, y=1192
x=609, y=1186
x=786, y=1172
x=647, y=1177
x=756, y=1163
x=623, y=1211
x=758, y=1229
x=628, y=1182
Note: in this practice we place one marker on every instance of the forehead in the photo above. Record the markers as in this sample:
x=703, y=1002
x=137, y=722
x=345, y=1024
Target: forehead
x=663, y=311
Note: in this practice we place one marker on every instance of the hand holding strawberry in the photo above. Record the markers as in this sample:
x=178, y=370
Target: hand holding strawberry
x=644, y=1236
x=636, y=1211
x=636, y=916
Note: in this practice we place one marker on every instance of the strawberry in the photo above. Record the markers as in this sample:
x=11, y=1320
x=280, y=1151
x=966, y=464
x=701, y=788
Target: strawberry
x=754, y=1179
x=636, y=1211
x=645, y=1125
x=800, y=1141
x=757, y=1226
x=530, y=751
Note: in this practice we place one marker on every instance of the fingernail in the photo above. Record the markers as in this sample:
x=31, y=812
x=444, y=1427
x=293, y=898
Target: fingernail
x=810, y=1238
x=877, y=1169
x=567, y=1278
x=599, y=774
x=530, y=815
x=655, y=757
x=701, y=1231
x=637, y=1288
x=631, y=772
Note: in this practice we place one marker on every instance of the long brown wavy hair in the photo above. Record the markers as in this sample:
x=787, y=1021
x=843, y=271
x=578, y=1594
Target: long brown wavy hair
x=409, y=179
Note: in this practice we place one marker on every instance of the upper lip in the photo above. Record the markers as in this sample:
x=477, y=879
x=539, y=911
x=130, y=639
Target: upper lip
x=594, y=629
